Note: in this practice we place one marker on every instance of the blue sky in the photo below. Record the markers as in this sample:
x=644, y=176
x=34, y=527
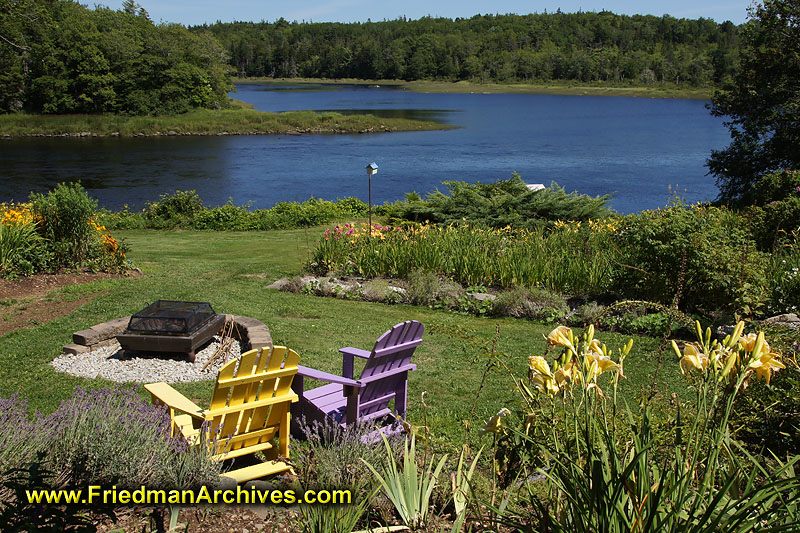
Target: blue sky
x=199, y=11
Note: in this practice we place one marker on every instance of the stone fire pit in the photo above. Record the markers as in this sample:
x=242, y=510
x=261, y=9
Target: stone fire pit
x=171, y=326
x=95, y=353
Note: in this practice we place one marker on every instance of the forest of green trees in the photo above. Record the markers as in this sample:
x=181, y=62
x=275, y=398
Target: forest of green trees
x=58, y=56
x=584, y=47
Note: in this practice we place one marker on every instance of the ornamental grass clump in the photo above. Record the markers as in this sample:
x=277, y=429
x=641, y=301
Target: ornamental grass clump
x=605, y=467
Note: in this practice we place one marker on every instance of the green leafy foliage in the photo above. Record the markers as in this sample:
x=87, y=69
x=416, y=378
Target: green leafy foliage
x=533, y=303
x=61, y=57
x=776, y=213
x=185, y=209
x=408, y=489
x=498, y=204
x=698, y=259
x=567, y=259
x=584, y=47
x=768, y=416
x=17, y=514
x=21, y=250
x=762, y=102
x=65, y=215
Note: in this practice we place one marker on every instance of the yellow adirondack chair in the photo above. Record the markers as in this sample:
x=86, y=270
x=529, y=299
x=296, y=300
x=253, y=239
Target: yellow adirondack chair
x=250, y=405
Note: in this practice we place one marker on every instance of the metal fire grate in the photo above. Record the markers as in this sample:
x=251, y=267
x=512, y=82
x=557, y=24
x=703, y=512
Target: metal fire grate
x=171, y=317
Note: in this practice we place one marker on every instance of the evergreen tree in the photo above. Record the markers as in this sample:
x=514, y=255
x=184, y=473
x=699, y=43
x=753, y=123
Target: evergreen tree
x=762, y=102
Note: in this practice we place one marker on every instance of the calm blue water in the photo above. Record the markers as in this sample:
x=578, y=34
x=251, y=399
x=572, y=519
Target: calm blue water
x=633, y=147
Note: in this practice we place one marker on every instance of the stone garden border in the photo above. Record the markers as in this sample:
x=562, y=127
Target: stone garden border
x=251, y=333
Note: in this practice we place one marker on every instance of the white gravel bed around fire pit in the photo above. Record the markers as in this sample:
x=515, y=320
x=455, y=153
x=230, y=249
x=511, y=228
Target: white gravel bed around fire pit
x=115, y=364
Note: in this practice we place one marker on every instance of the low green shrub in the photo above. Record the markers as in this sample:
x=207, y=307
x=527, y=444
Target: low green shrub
x=184, y=209
x=775, y=187
x=176, y=209
x=56, y=231
x=224, y=217
x=378, y=290
x=533, y=303
x=772, y=224
x=700, y=259
x=428, y=288
x=65, y=216
x=784, y=274
x=638, y=317
x=498, y=204
x=22, y=250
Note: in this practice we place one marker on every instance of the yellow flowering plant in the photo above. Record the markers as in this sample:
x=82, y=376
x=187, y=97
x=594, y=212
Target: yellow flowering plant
x=582, y=361
x=605, y=467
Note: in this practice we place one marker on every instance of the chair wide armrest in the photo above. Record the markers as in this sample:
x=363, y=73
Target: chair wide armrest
x=325, y=376
x=163, y=393
x=364, y=354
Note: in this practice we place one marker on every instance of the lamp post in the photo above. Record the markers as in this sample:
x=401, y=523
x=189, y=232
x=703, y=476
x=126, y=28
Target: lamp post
x=372, y=168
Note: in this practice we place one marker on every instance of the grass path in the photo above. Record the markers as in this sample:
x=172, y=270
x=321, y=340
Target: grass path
x=231, y=270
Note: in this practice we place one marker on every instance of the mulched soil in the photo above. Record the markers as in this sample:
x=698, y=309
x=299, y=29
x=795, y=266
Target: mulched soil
x=205, y=518
x=25, y=303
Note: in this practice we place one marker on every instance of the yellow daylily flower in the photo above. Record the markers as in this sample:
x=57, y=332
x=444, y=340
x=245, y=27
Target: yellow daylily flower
x=495, y=423
x=765, y=364
x=748, y=342
x=564, y=375
x=596, y=348
x=541, y=376
x=561, y=336
x=693, y=357
x=599, y=364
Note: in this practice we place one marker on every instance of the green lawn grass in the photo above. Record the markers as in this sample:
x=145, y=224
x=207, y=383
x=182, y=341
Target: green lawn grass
x=232, y=269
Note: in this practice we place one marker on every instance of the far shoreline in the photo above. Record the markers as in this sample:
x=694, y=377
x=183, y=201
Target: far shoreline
x=237, y=120
x=466, y=87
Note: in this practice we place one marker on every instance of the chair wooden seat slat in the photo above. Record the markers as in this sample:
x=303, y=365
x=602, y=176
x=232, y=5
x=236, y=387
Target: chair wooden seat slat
x=248, y=409
x=345, y=401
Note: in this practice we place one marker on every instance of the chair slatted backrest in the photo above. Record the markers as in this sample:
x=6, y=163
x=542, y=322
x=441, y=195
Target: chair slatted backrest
x=247, y=407
x=392, y=351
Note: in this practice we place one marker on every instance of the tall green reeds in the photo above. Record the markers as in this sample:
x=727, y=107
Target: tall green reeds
x=567, y=259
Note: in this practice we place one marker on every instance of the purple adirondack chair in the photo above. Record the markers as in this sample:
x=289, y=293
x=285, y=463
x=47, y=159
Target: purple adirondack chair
x=345, y=400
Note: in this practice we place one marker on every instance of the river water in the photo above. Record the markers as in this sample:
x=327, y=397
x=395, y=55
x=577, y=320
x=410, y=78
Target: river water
x=635, y=148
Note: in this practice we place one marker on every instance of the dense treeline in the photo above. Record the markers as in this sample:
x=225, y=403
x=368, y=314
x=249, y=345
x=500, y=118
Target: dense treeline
x=57, y=56
x=585, y=47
